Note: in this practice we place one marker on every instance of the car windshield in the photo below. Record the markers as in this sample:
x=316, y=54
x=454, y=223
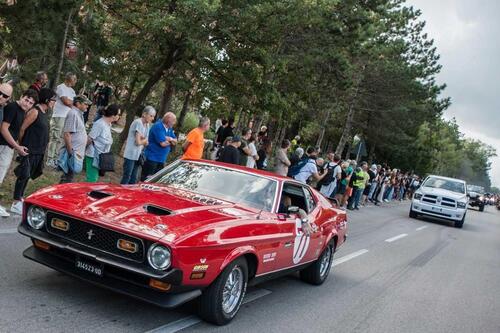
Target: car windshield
x=218, y=182
x=445, y=184
x=475, y=188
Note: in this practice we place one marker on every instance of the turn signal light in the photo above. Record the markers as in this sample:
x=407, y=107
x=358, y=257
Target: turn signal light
x=41, y=245
x=127, y=246
x=163, y=286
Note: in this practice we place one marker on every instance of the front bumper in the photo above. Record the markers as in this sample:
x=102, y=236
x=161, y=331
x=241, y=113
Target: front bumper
x=117, y=277
x=423, y=208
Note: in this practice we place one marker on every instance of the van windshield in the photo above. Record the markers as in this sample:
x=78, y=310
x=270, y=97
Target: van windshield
x=445, y=184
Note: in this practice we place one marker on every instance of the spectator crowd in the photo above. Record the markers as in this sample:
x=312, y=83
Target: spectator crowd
x=46, y=128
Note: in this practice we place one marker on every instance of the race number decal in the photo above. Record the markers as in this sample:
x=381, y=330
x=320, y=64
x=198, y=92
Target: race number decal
x=301, y=242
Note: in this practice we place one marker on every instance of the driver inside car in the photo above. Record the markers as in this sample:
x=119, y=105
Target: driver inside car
x=286, y=202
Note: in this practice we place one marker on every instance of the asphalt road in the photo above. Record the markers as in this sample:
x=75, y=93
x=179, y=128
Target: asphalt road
x=393, y=275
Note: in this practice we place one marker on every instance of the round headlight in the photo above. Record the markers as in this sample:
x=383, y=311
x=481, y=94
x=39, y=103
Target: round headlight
x=36, y=217
x=159, y=257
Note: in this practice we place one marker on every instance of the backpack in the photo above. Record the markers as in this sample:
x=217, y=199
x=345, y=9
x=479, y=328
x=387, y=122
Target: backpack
x=295, y=169
x=329, y=178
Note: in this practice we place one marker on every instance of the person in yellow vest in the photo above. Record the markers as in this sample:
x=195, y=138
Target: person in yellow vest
x=361, y=178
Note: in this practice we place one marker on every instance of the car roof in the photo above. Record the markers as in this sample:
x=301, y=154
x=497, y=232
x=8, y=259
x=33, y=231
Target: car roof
x=257, y=172
x=447, y=178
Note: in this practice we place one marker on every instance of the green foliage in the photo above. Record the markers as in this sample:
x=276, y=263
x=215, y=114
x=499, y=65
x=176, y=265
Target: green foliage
x=443, y=150
x=328, y=70
x=190, y=122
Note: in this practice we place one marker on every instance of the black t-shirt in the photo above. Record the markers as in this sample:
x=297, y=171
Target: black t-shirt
x=14, y=115
x=230, y=154
x=372, y=175
x=104, y=95
x=218, y=135
x=262, y=159
x=36, y=137
x=228, y=131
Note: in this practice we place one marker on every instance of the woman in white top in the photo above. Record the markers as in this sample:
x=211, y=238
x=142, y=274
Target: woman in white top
x=137, y=139
x=282, y=161
x=253, y=156
x=99, y=141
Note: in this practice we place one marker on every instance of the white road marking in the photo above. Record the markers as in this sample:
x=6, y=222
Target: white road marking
x=189, y=321
x=348, y=257
x=422, y=228
x=395, y=238
x=8, y=231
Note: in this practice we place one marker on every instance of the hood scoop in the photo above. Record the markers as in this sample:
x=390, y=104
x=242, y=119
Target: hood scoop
x=155, y=210
x=99, y=194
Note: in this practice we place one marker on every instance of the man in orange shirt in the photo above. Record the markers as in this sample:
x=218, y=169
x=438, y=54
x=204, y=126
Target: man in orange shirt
x=193, y=147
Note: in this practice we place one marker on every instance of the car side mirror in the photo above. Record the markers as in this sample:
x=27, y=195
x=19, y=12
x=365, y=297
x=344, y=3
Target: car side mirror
x=293, y=209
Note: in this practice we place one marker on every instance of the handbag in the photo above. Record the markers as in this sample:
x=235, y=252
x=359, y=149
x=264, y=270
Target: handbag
x=142, y=159
x=106, y=162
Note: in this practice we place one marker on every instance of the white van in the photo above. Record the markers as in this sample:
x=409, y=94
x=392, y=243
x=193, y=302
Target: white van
x=441, y=197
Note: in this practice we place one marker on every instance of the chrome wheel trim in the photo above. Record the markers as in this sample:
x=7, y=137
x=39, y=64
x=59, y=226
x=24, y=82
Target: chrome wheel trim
x=325, y=261
x=233, y=290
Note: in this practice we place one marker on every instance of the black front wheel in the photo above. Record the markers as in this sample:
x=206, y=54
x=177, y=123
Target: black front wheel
x=460, y=224
x=413, y=214
x=220, y=302
x=318, y=271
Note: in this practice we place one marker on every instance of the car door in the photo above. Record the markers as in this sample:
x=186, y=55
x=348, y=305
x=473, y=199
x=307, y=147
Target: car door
x=296, y=247
x=313, y=213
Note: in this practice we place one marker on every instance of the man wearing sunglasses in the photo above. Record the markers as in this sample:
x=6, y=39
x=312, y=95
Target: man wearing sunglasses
x=13, y=118
x=5, y=92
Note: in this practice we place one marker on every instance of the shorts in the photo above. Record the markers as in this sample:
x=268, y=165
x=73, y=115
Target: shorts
x=341, y=189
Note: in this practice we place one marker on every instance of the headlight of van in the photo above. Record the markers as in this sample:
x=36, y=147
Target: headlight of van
x=417, y=196
x=461, y=204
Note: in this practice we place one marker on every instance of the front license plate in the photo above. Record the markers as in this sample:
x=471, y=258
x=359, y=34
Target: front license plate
x=437, y=209
x=90, y=267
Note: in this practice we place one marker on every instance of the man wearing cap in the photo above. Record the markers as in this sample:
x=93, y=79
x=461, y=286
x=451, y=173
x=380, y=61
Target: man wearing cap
x=64, y=102
x=75, y=136
x=230, y=153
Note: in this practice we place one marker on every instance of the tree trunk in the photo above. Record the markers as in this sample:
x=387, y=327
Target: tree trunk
x=323, y=128
x=371, y=154
x=150, y=83
x=55, y=80
x=185, y=108
x=166, y=99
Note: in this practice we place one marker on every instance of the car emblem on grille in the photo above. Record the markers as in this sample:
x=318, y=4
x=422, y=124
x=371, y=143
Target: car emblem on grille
x=90, y=234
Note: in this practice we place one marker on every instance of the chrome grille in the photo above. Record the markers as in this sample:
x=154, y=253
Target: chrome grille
x=439, y=201
x=96, y=237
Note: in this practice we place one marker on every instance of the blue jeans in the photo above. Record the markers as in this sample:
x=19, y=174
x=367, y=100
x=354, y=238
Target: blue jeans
x=357, y=197
x=129, y=171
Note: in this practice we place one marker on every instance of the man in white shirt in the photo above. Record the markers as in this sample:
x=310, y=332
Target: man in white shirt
x=334, y=172
x=64, y=102
x=310, y=168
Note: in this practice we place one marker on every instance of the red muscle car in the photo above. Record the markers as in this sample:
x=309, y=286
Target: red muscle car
x=195, y=229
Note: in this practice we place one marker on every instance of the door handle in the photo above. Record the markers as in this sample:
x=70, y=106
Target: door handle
x=288, y=244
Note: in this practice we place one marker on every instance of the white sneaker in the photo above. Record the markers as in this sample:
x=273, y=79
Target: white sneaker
x=3, y=212
x=17, y=208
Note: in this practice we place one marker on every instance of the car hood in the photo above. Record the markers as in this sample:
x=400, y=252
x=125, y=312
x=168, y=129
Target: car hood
x=443, y=193
x=145, y=210
x=475, y=194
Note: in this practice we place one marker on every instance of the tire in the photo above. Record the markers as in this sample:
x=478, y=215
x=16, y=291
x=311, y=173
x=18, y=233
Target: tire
x=413, y=214
x=481, y=208
x=460, y=224
x=318, y=271
x=211, y=306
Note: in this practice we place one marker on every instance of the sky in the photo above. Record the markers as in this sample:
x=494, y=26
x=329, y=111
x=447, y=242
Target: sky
x=467, y=36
